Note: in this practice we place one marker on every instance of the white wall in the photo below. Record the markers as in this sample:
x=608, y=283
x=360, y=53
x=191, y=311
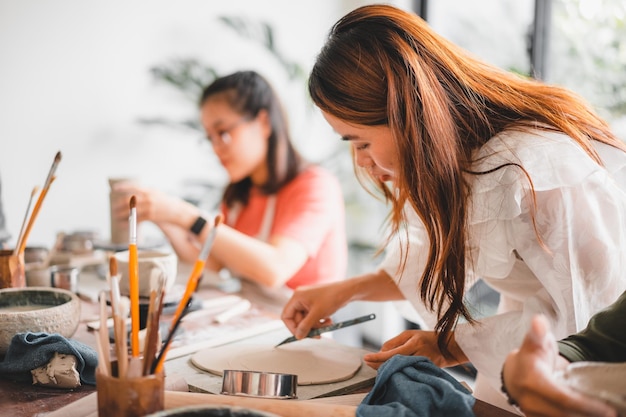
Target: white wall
x=75, y=78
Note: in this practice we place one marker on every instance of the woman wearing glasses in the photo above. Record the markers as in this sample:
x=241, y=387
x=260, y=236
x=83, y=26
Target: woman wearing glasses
x=283, y=217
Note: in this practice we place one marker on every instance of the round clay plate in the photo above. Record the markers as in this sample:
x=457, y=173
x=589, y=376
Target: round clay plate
x=604, y=381
x=315, y=361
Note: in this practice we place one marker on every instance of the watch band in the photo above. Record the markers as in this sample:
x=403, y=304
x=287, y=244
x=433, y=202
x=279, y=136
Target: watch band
x=198, y=225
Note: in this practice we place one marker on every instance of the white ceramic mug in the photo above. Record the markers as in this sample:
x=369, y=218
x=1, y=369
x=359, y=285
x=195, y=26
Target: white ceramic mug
x=119, y=228
x=150, y=263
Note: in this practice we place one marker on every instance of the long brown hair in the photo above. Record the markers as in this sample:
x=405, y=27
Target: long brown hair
x=247, y=93
x=384, y=66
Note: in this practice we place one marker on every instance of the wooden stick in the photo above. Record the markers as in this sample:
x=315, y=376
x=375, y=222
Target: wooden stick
x=23, y=228
x=37, y=207
x=133, y=277
x=119, y=327
x=121, y=340
x=102, y=366
x=192, y=284
x=103, y=336
x=284, y=408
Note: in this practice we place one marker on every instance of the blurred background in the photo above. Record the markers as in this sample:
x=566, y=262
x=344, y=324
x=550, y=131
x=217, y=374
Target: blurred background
x=113, y=86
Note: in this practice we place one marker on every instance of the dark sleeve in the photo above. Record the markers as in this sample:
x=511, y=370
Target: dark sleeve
x=604, y=338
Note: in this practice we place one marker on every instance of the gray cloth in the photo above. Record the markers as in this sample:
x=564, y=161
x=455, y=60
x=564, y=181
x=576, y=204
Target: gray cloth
x=30, y=350
x=413, y=386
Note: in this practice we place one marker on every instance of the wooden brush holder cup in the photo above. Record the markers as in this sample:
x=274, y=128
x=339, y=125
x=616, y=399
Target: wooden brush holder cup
x=12, y=273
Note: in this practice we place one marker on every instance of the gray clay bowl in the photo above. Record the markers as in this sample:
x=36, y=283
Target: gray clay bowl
x=37, y=309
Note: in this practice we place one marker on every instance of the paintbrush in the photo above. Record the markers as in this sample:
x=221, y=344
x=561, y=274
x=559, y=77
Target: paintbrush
x=42, y=195
x=119, y=320
x=112, y=273
x=133, y=277
x=23, y=228
x=155, y=307
x=157, y=366
x=121, y=338
x=192, y=284
x=336, y=326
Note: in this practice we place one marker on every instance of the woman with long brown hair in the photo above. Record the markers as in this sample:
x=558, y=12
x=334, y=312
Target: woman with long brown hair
x=488, y=175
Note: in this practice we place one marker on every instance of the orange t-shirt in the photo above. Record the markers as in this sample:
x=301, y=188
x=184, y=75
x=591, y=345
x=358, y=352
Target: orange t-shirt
x=310, y=210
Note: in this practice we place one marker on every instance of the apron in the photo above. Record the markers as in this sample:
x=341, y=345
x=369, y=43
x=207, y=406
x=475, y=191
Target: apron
x=272, y=298
x=267, y=222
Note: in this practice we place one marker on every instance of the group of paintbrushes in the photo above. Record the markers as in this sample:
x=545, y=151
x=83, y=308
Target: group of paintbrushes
x=154, y=349
x=30, y=217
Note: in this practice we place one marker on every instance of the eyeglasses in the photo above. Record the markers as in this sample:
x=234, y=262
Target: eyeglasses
x=224, y=136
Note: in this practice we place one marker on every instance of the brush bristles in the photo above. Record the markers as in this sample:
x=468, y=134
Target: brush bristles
x=218, y=220
x=112, y=266
x=57, y=158
x=133, y=202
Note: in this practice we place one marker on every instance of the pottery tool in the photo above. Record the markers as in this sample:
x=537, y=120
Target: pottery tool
x=213, y=307
x=42, y=195
x=133, y=278
x=336, y=326
x=233, y=311
x=20, y=237
x=192, y=284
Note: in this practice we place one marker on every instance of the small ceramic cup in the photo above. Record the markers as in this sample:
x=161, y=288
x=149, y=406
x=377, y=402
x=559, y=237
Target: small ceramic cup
x=119, y=227
x=64, y=276
x=38, y=275
x=150, y=263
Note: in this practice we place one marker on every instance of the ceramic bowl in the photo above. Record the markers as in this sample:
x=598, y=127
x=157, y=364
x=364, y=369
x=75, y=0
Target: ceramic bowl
x=150, y=263
x=212, y=411
x=37, y=309
x=601, y=380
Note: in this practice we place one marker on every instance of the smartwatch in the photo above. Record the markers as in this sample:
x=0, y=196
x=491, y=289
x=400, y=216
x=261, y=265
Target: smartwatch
x=198, y=225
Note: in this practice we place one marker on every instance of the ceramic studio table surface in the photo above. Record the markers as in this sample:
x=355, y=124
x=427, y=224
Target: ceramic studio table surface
x=26, y=400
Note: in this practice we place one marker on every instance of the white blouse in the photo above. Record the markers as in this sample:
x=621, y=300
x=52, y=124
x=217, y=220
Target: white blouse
x=580, y=216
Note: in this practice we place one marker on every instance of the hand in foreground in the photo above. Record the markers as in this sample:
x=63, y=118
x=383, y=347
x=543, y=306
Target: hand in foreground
x=528, y=374
x=416, y=343
x=311, y=307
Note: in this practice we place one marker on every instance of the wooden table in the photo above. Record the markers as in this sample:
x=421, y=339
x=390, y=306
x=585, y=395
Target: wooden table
x=26, y=400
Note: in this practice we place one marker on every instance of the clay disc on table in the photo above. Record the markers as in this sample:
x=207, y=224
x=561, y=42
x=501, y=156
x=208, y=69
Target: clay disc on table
x=315, y=361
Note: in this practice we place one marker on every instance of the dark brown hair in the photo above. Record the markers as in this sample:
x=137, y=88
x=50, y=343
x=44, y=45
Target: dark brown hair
x=248, y=93
x=384, y=66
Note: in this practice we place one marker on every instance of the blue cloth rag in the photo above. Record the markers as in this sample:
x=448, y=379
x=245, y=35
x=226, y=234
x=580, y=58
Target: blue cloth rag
x=31, y=350
x=413, y=386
